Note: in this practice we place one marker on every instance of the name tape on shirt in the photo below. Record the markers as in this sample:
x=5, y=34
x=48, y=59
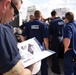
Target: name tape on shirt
x=34, y=26
x=61, y=23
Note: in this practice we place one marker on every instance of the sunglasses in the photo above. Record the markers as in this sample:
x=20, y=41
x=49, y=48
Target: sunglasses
x=16, y=12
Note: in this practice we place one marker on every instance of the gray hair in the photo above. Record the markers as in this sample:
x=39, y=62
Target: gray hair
x=15, y=2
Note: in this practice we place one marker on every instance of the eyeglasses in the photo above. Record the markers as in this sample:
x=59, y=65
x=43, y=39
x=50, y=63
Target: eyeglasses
x=16, y=12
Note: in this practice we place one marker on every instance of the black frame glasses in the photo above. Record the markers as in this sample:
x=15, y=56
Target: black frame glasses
x=16, y=12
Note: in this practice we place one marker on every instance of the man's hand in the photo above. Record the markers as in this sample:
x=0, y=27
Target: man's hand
x=66, y=44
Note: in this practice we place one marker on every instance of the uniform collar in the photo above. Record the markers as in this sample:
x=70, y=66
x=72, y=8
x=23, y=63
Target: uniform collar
x=8, y=25
x=71, y=22
x=36, y=19
x=56, y=18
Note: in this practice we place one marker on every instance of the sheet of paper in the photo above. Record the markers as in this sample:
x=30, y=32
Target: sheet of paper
x=30, y=52
x=38, y=57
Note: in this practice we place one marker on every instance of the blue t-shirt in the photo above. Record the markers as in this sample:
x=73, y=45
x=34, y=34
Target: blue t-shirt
x=36, y=29
x=70, y=32
x=9, y=53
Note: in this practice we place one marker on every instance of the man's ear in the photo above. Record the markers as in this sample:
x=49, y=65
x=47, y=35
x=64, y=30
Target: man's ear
x=6, y=3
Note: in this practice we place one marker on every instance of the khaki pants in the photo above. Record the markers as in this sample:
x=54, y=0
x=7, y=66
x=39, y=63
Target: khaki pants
x=18, y=69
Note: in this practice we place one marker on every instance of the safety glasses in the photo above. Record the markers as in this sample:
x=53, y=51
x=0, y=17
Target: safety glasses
x=16, y=12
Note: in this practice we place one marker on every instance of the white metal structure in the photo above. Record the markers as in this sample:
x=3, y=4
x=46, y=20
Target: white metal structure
x=61, y=11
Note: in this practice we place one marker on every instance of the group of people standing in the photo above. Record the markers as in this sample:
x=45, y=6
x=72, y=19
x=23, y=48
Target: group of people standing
x=61, y=33
x=62, y=36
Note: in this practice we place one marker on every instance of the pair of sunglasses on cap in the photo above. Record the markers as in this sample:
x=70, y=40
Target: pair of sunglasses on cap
x=16, y=12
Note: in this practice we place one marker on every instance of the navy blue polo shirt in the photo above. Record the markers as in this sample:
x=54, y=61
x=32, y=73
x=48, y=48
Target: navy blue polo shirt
x=56, y=27
x=23, y=26
x=36, y=29
x=68, y=33
x=9, y=54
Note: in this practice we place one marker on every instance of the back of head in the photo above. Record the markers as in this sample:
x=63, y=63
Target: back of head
x=31, y=17
x=37, y=14
x=53, y=13
x=69, y=16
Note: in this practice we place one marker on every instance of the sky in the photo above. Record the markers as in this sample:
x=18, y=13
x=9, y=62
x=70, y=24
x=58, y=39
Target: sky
x=46, y=6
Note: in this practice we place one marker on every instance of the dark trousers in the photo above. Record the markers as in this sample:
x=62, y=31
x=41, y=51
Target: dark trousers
x=44, y=67
x=69, y=65
x=56, y=45
x=75, y=69
x=55, y=64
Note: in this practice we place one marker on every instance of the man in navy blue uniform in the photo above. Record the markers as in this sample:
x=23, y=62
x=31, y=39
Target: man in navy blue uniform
x=22, y=27
x=56, y=34
x=37, y=29
x=69, y=44
x=10, y=63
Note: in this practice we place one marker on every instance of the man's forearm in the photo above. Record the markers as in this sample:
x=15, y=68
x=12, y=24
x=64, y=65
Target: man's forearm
x=22, y=38
x=46, y=42
x=66, y=44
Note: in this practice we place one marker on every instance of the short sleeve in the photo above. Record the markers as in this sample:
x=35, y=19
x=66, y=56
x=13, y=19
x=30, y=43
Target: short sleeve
x=46, y=31
x=25, y=31
x=23, y=26
x=68, y=32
